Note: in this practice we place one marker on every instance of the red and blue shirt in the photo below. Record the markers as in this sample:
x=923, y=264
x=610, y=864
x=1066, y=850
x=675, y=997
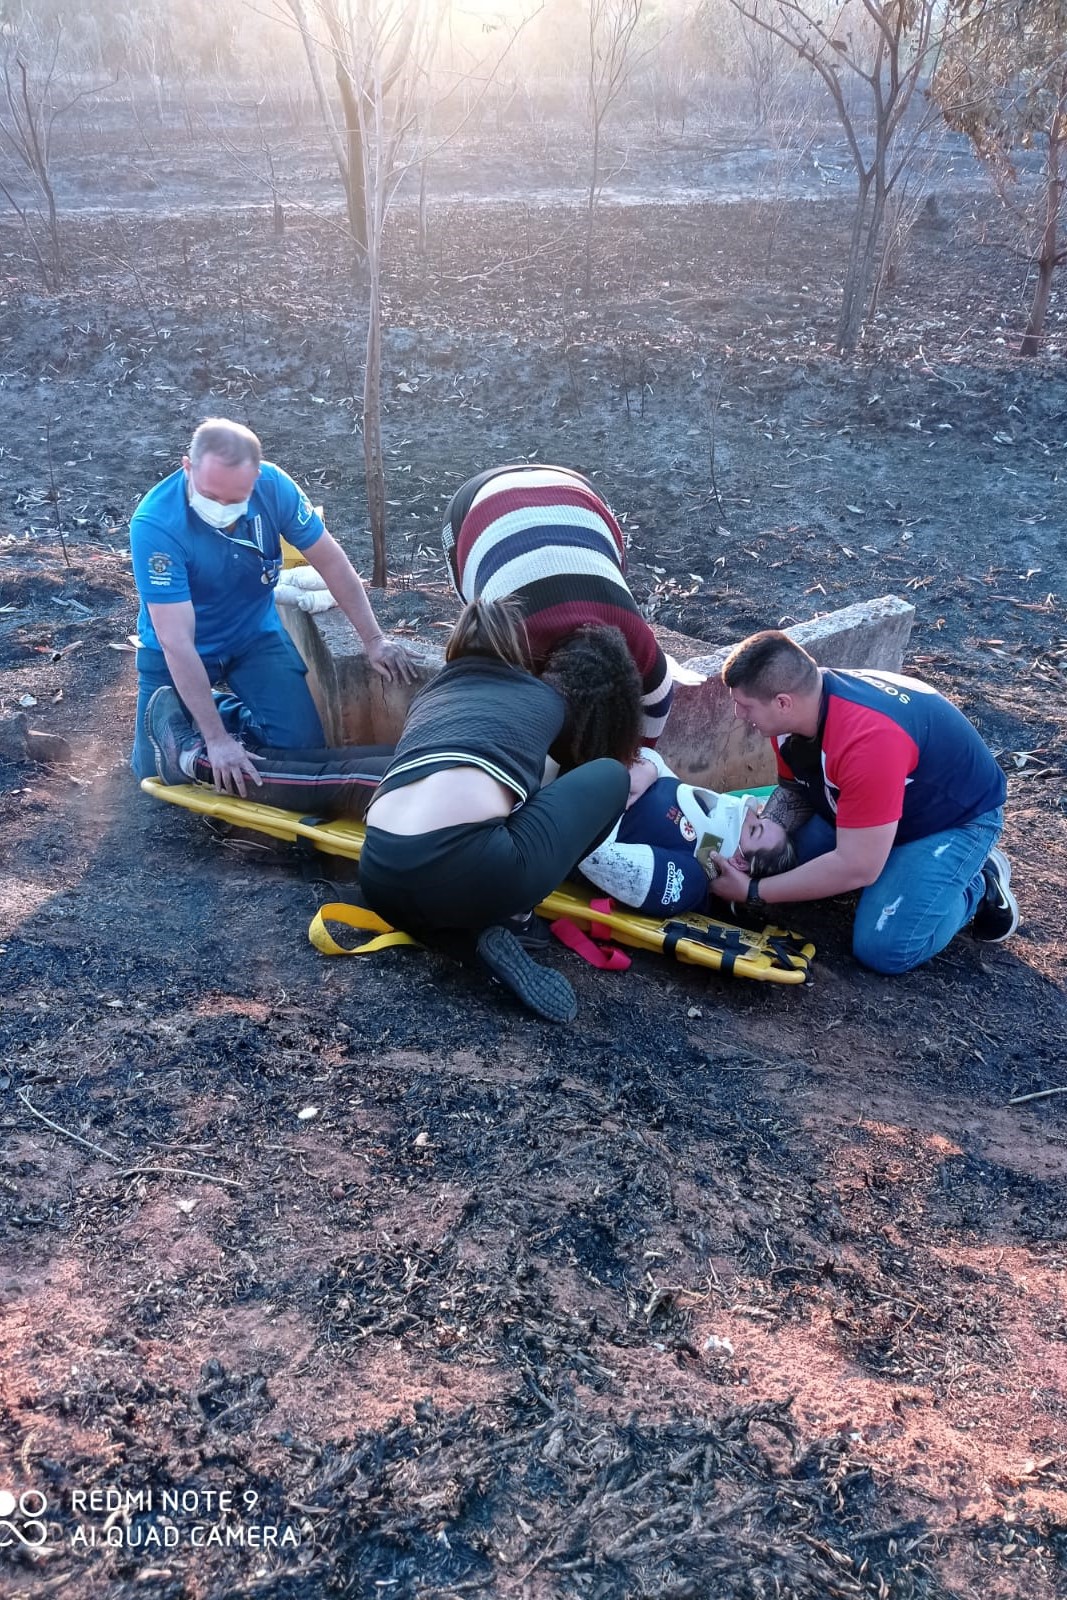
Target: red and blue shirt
x=891, y=749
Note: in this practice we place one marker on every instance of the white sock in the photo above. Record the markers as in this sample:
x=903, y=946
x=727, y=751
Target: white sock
x=187, y=759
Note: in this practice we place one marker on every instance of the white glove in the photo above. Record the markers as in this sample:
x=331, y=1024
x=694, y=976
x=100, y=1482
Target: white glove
x=304, y=588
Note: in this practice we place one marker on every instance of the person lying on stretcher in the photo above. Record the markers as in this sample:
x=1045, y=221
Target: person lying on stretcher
x=657, y=858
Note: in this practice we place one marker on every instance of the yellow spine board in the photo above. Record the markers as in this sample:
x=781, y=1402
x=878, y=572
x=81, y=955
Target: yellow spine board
x=769, y=955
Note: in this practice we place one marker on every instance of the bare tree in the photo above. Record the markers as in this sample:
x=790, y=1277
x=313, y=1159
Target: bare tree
x=356, y=33
x=145, y=45
x=383, y=51
x=672, y=72
x=871, y=59
x=27, y=120
x=612, y=26
x=267, y=174
x=765, y=59
x=1003, y=82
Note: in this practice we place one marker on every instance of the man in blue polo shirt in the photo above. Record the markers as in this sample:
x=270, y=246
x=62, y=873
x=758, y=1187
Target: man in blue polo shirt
x=206, y=546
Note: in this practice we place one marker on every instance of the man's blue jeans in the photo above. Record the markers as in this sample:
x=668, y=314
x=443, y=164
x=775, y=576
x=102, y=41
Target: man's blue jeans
x=927, y=891
x=269, y=702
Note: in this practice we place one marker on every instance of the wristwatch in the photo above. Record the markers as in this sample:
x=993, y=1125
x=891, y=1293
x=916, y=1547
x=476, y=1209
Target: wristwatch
x=752, y=898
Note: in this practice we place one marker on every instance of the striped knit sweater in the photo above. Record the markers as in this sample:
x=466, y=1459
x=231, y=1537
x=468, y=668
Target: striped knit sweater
x=542, y=535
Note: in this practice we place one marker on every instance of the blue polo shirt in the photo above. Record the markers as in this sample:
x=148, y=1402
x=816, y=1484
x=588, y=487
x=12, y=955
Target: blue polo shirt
x=230, y=576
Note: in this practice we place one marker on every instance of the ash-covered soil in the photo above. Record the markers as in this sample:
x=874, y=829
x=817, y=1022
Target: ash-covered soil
x=725, y=1290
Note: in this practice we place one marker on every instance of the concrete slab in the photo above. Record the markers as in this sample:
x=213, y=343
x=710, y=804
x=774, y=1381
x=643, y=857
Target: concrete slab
x=703, y=741
x=706, y=744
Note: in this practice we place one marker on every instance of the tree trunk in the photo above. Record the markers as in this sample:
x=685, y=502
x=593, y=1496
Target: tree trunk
x=872, y=262
x=1035, y=327
x=850, y=316
x=355, y=195
x=594, y=178
x=355, y=190
x=373, y=461
x=53, y=232
x=858, y=298
x=1046, y=261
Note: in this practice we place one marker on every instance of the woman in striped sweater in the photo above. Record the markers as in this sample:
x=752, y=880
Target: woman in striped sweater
x=541, y=535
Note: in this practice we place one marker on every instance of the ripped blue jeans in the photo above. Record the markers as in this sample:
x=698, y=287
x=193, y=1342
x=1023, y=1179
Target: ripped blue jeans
x=927, y=891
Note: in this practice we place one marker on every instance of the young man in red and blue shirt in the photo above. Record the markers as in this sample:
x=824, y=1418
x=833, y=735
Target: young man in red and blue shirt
x=886, y=788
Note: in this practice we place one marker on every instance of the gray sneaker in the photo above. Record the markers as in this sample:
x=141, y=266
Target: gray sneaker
x=539, y=988
x=532, y=932
x=174, y=737
x=997, y=916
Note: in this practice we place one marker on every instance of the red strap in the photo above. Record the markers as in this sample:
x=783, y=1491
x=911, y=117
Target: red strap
x=603, y=955
x=601, y=930
x=607, y=957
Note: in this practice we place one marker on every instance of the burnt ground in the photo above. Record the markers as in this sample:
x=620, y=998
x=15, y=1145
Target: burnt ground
x=725, y=1290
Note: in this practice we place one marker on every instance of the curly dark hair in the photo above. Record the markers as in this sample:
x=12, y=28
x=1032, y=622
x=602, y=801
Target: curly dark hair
x=595, y=673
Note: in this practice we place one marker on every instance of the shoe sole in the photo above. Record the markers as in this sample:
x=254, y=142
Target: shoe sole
x=1013, y=906
x=163, y=760
x=539, y=988
x=1002, y=864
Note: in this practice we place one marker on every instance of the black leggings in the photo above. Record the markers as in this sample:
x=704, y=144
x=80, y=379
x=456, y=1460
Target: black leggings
x=478, y=873
x=319, y=783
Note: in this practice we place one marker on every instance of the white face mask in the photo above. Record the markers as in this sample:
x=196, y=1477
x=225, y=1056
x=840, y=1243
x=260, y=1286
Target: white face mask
x=213, y=513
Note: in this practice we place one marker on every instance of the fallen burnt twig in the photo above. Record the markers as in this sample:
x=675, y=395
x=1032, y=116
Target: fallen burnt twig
x=87, y=1144
x=182, y=1172
x=129, y=1172
x=1038, y=1094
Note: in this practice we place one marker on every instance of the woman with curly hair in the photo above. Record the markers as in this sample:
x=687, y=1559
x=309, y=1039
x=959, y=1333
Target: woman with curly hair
x=463, y=832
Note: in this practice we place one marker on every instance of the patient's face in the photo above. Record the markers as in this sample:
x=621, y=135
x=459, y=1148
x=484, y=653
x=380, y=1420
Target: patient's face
x=757, y=833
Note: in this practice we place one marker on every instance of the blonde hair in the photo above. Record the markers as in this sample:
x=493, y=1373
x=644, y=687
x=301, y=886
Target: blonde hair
x=491, y=628
x=233, y=443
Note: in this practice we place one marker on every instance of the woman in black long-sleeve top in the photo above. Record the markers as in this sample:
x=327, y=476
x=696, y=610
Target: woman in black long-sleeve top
x=461, y=833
